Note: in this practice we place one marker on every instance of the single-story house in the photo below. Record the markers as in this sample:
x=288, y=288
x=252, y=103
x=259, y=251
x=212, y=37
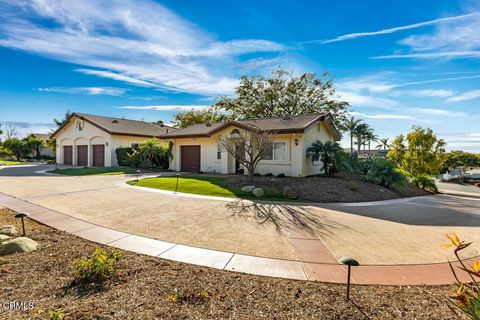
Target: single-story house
x=197, y=148
x=45, y=150
x=91, y=140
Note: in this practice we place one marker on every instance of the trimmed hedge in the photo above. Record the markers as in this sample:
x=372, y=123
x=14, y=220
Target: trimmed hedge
x=122, y=156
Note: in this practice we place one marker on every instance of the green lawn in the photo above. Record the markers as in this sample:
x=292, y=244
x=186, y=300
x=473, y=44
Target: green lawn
x=9, y=163
x=93, y=171
x=207, y=186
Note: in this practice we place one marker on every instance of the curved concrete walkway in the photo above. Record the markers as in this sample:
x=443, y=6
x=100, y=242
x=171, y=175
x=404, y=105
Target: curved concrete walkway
x=421, y=274
x=292, y=241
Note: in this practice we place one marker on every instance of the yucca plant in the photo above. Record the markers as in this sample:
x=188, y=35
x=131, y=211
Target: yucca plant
x=466, y=296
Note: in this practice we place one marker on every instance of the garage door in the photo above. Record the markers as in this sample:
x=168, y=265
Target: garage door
x=82, y=156
x=67, y=155
x=190, y=158
x=98, y=152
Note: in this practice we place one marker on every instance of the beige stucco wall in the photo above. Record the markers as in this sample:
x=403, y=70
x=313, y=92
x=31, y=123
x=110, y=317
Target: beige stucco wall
x=208, y=154
x=89, y=135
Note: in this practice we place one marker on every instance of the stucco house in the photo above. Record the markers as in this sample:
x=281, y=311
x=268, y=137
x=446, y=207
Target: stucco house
x=91, y=140
x=196, y=147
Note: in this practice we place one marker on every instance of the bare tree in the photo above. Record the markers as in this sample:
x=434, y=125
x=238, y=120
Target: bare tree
x=248, y=147
x=10, y=131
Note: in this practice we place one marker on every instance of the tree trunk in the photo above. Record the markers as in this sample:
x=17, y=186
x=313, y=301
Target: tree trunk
x=251, y=174
x=351, y=143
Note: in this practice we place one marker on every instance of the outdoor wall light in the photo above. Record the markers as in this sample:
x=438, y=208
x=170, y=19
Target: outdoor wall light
x=349, y=262
x=106, y=143
x=21, y=216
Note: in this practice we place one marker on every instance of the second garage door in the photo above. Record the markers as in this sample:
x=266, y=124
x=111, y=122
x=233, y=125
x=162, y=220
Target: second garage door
x=82, y=156
x=190, y=158
x=98, y=152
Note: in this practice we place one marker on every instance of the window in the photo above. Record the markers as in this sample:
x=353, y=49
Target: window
x=79, y=125
x=276, y=151
x=219, y=152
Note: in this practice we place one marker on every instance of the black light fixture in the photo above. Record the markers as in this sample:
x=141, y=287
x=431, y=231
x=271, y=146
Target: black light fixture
x=349, y=262
x=22, y=215
x=138, y=174
x=176, y=186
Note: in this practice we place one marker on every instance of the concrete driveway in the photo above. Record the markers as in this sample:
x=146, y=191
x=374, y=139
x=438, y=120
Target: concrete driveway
x=400, y=231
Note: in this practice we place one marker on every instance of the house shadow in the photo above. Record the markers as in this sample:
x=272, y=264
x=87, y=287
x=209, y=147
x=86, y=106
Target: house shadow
x=285, y=217
x=440, y=210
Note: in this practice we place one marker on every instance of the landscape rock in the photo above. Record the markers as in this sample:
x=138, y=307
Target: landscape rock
x=4, y=237
x=248, y=188
x=8, y=230
x=290, y=193
x=258, y=192
x=21, y=244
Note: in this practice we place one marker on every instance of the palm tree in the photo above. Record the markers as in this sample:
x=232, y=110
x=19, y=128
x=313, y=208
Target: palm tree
x=350, y=126
x=383, y=144
x=370, y=136
x=359, y=133
x=34, y=144
x=329, y=152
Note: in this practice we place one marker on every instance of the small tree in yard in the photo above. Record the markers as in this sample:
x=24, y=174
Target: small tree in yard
x=248, y=147
x=461, y=161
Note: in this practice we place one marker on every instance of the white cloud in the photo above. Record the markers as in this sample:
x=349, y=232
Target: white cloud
x=439, y=112
x=467, y=141
x=23, y=129
x=178, y=108
x=110, y=91
x=457, y=39
x=382, y=116
x=360, y=100
x=396, y=29
x=469, y=95
x=140, y=42
x=440, y=93
x=431, y=55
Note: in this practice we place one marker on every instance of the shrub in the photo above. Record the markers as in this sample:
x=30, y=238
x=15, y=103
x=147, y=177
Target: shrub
x=425, y=182
x=383, y=172
x=352, y=185
x=281, y=175
x=51, y=314
x=268, y=174
x=122, y=156
x=100, y=266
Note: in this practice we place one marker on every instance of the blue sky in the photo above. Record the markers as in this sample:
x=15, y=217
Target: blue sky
x=398, y=63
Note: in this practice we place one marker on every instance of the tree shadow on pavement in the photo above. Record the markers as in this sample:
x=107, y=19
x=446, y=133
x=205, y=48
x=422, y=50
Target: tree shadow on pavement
x=285, y=217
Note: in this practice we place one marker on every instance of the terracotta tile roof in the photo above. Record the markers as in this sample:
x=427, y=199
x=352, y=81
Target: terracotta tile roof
x=120, y=126
x=279, y=124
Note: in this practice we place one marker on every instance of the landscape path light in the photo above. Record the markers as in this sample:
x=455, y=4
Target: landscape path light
x=138, y=173
x=22, y=215
x=349, y=262
x=176, y=186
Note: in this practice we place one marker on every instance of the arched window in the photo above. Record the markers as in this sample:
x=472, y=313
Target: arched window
x=79, y=125
x=235, y=133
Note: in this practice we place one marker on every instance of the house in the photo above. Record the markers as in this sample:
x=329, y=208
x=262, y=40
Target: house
x=91, y=140
x=45, y=150
x=197, y=148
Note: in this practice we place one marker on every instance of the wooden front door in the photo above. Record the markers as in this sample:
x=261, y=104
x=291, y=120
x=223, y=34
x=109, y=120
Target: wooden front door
x=82, y=156
x=67, y=155
x=98, y=153
x=190, y=158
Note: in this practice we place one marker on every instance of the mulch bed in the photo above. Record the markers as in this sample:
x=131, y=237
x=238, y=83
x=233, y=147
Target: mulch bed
x=324, y=189
x=141, y=289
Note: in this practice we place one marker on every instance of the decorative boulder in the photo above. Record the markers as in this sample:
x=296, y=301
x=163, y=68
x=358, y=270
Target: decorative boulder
x=4, y=237
x=21, y=244
x=258, y=192
x=248, y=188
x=8, y=230
x=290, y=193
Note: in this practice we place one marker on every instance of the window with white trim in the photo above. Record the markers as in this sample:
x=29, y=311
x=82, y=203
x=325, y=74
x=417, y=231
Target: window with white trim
x=276, y=151
x=219, y=152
